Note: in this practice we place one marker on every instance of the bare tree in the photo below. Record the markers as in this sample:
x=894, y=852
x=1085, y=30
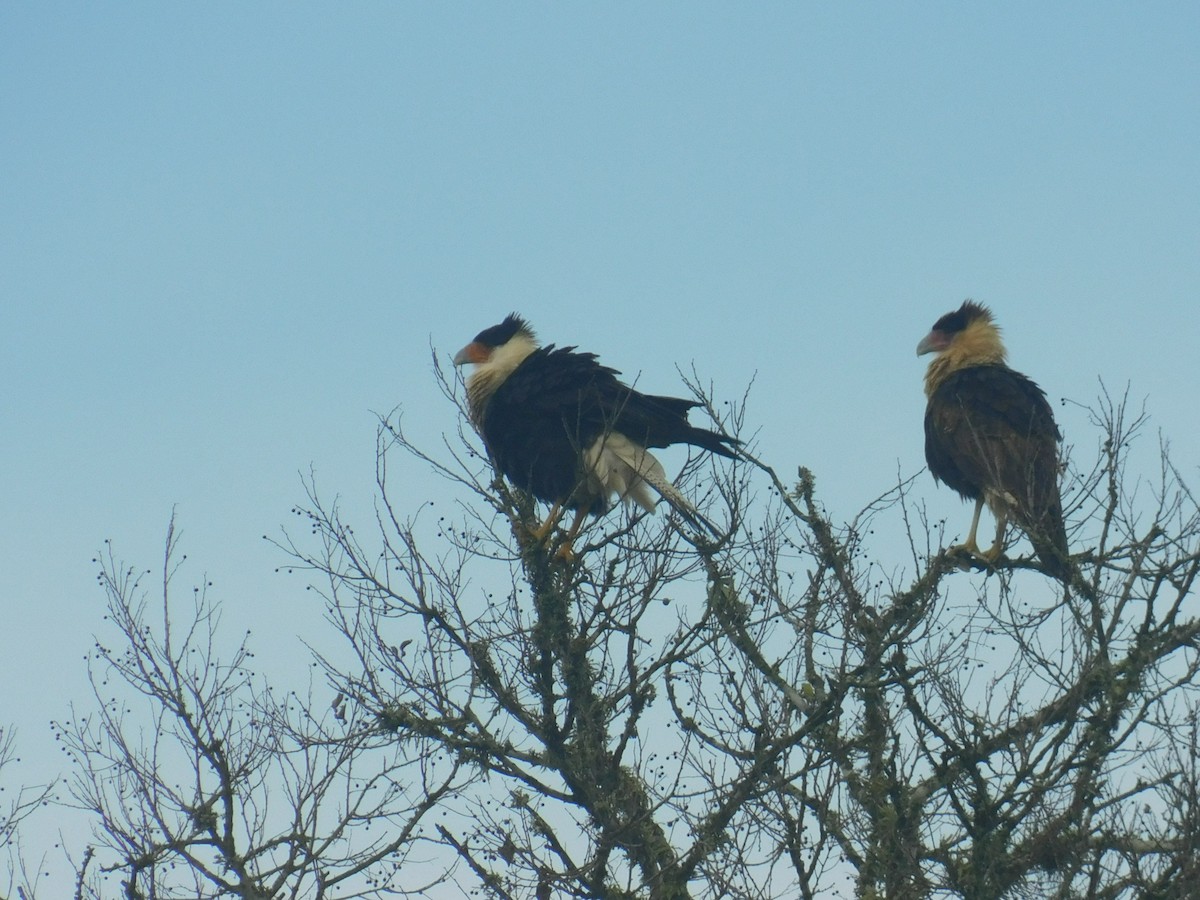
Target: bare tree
x=774, y=712
x=205, y=782
x=14, y=809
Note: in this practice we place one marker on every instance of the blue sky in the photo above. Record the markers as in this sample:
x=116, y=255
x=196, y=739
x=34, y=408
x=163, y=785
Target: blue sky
x=233, y=231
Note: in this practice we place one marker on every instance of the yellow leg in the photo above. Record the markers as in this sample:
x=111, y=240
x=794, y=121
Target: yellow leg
x=969, y=545
x=993, y=553
x=565, y=550
x=540, y=533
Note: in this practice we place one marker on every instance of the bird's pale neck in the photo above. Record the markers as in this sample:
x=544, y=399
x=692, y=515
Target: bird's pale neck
x=978, y=344
x=491, y=373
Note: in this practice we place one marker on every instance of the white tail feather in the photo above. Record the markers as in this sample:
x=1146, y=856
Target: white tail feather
x=657, y=479
x=616, y=465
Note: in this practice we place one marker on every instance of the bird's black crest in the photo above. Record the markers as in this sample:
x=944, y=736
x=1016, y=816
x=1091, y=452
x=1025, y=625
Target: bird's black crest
x=954, y=322
x=499, y=335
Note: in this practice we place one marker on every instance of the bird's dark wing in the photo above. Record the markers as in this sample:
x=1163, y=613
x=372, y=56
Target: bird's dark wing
x=539, y=418
x=587, y=400
x=656, y=421
x=649, y=420
x=990, y=429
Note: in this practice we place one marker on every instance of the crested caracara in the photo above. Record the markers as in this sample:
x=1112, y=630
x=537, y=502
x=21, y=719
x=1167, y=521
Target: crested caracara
x=991, y=436
x=561, y=427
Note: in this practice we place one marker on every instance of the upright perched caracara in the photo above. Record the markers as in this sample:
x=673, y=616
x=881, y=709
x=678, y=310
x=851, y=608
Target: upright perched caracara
x=990, y=435
x=562, y=427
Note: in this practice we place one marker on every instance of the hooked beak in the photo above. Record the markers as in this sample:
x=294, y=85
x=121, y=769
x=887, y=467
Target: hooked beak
x=474, y=352
x=934, y=342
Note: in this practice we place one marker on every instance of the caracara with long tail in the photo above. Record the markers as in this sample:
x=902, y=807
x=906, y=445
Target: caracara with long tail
x=991, y=436
x=561, y=427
